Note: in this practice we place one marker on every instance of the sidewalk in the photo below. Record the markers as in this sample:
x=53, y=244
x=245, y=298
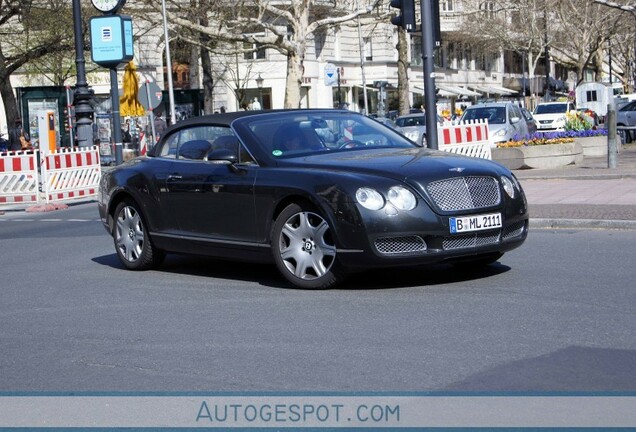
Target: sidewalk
x=588, y=195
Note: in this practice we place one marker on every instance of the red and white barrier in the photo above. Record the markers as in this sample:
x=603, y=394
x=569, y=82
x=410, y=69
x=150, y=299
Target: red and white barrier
x=71, y=174
x=19, y=178
x=469, y=139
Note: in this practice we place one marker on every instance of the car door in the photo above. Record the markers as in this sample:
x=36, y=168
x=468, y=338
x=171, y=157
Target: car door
x=520, y=127
x=627, y=114
x=212, y=198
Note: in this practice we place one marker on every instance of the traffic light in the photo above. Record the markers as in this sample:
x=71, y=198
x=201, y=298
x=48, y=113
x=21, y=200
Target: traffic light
x=406, y=18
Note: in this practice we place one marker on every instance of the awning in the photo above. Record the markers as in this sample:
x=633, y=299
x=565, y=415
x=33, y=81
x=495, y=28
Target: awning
x=451, y=91
x=495, y=90
x=448, y=91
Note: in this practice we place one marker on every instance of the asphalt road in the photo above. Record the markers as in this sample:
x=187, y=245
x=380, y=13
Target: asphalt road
x=555, y=315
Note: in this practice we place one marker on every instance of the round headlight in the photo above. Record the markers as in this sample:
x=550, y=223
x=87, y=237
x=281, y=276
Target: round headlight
x=402, y=198
x=508, y=186
x=412, y=135
x=369, y=198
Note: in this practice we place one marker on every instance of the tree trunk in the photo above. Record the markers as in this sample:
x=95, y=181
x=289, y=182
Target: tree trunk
x=294, y=80
x=8, y=99
x=208, y=82
x=403, y=77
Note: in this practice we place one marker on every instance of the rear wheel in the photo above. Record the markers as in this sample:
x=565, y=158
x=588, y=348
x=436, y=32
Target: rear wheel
x=132, y=243
x=304, y=249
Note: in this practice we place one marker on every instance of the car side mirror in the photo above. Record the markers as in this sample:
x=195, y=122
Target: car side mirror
x=222, y=156
x=514, y=120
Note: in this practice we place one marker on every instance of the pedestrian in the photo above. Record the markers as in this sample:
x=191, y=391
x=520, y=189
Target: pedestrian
x=160, y=127
x=19, y=139
x=256, y=105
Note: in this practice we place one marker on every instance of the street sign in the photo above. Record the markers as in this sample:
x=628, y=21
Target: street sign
x=155, y=95
x=331, y=74
x=111, y=40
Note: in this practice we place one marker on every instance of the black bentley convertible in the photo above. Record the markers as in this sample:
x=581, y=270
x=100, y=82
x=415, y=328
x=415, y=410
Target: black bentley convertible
x=321, y=193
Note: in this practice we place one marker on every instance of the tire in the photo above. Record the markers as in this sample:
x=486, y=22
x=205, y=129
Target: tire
x=132, y=243
x=304, y=248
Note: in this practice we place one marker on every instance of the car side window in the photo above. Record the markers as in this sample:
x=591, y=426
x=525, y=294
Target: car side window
x=197, y=142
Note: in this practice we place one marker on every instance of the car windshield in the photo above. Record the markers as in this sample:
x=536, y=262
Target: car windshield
x=551, y=108
x=294, y=133
x=494, y=115
x=411, y=121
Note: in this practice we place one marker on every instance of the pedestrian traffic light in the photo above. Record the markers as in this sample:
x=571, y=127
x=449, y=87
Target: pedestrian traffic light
x=406, y=18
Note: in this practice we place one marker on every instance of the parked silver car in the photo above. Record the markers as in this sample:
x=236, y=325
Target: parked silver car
x=413, y=126
x=626, y=116
x=505, y=121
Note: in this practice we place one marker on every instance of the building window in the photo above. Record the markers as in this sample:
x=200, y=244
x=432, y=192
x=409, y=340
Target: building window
x=416, y=51
x=254, y=50
x=368, y=49
x=591, y=96
x=446, y=6
x=488, y=9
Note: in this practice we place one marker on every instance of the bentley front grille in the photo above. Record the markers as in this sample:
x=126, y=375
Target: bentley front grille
x=400, y=245
x=465, y=193
x=471, y=240
x=512, y=231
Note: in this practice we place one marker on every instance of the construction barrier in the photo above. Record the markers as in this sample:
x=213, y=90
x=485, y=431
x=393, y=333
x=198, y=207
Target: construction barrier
x=71, y=174
x=28, y=177
x=19, y=178
x=469, y=139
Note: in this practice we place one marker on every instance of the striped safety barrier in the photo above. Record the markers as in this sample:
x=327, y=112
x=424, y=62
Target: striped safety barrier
x=19, y=178
x=71, y=174
x=469, y=139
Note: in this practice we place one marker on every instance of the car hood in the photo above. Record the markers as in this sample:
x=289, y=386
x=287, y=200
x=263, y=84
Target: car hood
x=416, y=166
x=554, y=116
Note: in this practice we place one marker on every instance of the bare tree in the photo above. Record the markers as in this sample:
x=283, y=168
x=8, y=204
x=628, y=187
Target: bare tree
x=583, y=29
x=286, y=27
x=517, y=26
x=30, y=30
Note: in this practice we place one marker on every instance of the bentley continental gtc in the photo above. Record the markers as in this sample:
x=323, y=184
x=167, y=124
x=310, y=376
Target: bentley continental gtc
x=322, y=194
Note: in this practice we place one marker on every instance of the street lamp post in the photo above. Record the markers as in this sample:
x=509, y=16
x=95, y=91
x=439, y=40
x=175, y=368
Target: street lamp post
x=83, y=94
x=259, y=84
x=632, y=10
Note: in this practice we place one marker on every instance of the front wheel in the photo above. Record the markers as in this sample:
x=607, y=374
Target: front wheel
x=304, y=248
x=132, y=243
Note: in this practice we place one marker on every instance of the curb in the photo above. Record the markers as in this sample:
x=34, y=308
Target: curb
x=545, y=223
x=46, y=207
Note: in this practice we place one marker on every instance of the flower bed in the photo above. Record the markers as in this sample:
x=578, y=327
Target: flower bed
x=561, y=137
x=554, y=149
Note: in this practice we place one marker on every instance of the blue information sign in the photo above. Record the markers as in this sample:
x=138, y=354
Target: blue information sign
x=111, y=40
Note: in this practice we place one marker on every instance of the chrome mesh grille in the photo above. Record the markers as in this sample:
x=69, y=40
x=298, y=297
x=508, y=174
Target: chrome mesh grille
x=470, y=240
x=465, y=193
x=512, y=231
x=400, y=245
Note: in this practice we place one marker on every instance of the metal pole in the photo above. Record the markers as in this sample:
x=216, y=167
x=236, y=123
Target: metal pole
x=364, y=80
x=83, y=95
x=173, y=116
x=339, y=95
x=546, y=95
x=152, y=114
x=114, y=95
x=426, y=9
x=69, y=115
x=612, y=147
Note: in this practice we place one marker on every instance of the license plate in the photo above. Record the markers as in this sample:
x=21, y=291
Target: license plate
x=474, y=223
